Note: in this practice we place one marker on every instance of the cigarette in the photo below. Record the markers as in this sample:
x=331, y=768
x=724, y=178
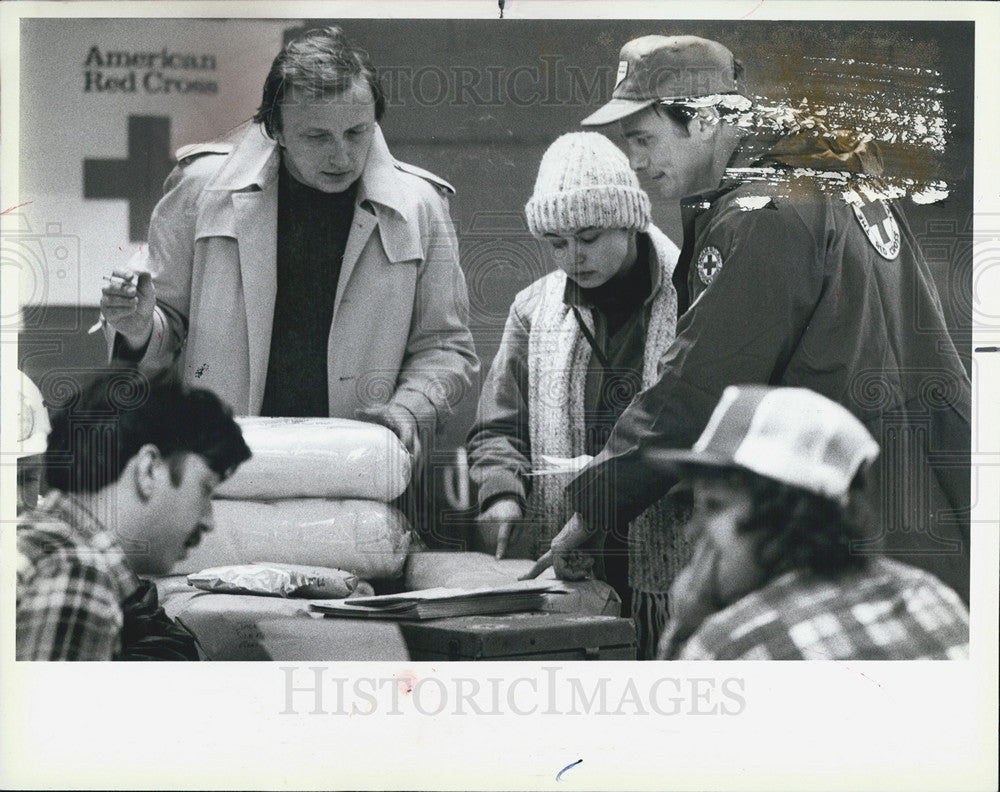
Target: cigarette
x=110, y=279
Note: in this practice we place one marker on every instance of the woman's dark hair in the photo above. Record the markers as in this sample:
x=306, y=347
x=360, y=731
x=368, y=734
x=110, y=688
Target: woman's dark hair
x=795, y=529
x=320, y=63
x=98, y=426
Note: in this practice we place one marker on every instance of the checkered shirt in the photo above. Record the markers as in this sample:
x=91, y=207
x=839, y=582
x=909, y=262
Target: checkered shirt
x=888, y=611
x=72, y=579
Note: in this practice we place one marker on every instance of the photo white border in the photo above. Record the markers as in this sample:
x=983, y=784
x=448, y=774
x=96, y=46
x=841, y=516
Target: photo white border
x=850, y=726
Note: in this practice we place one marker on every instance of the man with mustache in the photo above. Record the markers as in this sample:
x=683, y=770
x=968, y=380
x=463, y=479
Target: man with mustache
x=132, y=464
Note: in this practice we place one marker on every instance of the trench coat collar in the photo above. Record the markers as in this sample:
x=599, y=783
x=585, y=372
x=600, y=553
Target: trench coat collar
x=255, y=159
x=252, y=164
x=380, y=178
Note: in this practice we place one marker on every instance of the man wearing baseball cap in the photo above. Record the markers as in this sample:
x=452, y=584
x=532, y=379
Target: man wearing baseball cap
x=776, y=475
x=795, y=271
x=667, y=98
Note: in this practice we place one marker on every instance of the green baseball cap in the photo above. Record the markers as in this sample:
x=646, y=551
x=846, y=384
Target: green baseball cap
x=664, y=68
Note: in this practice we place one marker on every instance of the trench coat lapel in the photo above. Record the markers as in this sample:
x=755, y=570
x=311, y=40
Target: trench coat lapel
x=250, y=176
x=378, y=186
x=256, y=229
x=380, y=202
x=362, y=225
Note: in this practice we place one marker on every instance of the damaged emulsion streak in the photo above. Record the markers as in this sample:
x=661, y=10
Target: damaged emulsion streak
x=892, y=115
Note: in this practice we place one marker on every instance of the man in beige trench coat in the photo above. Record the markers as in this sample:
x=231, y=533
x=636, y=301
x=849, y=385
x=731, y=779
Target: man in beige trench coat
x=296, y=268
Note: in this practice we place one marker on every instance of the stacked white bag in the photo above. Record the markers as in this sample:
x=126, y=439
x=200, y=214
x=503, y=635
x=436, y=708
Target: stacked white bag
x=315, y=492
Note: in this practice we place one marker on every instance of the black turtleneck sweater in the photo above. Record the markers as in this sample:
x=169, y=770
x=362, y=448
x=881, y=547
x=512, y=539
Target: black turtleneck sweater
x=312, y=233
x=620, y=322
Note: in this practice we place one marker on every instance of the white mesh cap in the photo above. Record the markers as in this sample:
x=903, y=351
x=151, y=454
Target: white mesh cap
x=792, y=435
x=33, y=419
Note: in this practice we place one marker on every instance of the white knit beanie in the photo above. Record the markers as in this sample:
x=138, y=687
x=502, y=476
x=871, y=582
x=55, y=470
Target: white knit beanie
x=585, y=181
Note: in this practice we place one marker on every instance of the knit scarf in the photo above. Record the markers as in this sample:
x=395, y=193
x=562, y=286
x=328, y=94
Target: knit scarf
x=558, y=358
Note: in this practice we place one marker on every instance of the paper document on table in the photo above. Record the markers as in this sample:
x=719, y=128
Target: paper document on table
x=437, y=603
x=555, y=466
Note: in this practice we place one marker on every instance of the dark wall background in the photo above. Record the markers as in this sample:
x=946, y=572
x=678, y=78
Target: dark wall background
x=477, y=102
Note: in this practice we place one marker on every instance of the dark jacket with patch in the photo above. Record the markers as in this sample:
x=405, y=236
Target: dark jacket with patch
x=801, y=296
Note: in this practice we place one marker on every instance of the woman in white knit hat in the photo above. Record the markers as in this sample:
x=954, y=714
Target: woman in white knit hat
x=579, y=343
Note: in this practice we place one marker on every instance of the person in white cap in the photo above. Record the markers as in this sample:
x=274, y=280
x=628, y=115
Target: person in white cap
x=33, y=425
x=794, y=271
x=578, y=344
x=775, y=575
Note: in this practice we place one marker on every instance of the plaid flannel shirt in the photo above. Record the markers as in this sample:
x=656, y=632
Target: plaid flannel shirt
x=888, y=611
x=72, y=580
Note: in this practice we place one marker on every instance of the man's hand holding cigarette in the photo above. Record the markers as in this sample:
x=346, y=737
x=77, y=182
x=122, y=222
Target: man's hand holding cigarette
x=127, y=304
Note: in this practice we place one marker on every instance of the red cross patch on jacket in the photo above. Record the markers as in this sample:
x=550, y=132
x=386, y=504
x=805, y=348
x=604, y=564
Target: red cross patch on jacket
x=880, y=227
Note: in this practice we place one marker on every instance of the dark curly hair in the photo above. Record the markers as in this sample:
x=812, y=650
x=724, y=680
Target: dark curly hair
x=109, y=417
x=796, y=529
x=321, y=63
